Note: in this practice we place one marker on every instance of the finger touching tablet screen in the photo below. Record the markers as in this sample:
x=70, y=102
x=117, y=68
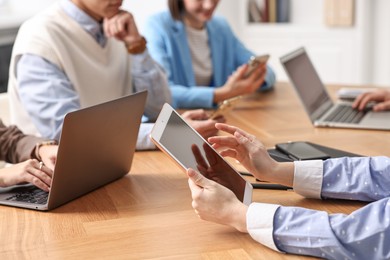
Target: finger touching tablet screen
x=189, y=149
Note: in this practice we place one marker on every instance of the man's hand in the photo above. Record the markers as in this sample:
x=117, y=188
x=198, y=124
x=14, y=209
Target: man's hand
x=122, y=26
x=214, y=202
x=252, y=154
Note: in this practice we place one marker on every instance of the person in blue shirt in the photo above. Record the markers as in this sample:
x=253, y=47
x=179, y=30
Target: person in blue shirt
x=204, y=61
x=363, y=234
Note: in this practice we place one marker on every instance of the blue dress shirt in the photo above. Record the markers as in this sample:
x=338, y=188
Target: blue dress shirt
x=363, y=234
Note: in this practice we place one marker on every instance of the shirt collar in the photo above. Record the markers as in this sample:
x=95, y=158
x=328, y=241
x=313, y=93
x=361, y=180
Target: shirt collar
x=85, y=21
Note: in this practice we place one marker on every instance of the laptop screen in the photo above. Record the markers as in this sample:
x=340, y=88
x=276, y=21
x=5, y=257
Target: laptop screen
x=306, y=80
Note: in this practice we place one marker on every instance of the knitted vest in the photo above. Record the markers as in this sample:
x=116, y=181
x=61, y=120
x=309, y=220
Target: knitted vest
x=98, y=74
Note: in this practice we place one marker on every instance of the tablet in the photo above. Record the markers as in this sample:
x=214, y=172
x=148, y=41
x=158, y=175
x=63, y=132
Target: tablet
x=189, y=149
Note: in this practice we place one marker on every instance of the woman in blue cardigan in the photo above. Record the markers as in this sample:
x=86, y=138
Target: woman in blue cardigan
x=204, y=61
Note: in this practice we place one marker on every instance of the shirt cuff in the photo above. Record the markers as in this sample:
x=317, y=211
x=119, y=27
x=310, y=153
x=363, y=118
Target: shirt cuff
x=143, y=141
x=260, y=223
x=207, y=97
x=308, y=176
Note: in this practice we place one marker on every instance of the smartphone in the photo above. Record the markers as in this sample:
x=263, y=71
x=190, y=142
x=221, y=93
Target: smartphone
x=254, y=62
x=225, y=106
x=299, y=151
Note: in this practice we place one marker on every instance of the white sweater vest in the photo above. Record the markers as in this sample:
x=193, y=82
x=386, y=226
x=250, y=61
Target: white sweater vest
x=98, y=74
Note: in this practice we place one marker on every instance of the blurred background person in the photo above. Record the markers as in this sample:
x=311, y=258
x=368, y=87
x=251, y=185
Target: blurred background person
x=204, y=61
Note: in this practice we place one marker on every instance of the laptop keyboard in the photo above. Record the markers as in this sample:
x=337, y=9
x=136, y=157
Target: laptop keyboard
x=31, y=195
x=346, y=114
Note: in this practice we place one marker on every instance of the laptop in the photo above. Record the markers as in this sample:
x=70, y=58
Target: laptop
x=96, y=147
x=322, y=111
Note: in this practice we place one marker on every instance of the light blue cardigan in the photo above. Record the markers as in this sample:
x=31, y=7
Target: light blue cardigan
x=168, y=45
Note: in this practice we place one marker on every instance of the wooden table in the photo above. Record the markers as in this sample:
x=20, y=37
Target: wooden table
x=147, y=214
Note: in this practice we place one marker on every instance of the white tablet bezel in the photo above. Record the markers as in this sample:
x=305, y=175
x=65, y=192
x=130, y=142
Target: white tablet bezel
x=158, y=130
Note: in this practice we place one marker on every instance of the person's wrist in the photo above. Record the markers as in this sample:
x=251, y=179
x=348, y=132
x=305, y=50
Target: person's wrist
x=239, y=218
x=281, y=173
x=136, y=47
x=221, y=94
x=38, y=146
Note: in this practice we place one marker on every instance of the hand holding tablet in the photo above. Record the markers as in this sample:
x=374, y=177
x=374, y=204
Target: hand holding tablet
x=189, y=150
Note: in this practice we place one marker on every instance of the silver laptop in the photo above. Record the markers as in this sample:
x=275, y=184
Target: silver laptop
x=96, y=147
x=323, y=112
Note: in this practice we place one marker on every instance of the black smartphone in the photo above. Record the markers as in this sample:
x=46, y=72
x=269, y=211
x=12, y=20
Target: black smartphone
x=301, y=151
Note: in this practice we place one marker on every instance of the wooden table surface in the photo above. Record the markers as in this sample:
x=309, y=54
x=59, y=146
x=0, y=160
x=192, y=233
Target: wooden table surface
x=148, y=215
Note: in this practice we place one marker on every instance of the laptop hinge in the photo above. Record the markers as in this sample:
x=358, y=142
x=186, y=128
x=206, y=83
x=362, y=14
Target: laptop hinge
x=321, y=110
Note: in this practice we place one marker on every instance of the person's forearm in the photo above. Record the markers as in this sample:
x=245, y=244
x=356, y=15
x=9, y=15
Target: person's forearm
x=9, y=137
x=14, y=145
x=192, y=97
x=348, y=185
x=282, y=173
x=221, y=94
x=363, y=234
x=26, y=147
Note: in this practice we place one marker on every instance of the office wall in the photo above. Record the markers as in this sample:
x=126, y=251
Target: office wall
x=357, y=55
x=380, y=48
x=142, y=10
x=347, y=55
x=27, y=6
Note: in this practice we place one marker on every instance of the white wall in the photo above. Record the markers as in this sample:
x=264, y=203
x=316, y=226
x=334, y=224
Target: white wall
x=337, y=53
x=28, y=7
x=357, y=55
x=380, y=42
x=142, y=9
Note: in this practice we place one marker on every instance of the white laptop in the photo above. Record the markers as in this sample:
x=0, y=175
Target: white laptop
x=322, y=111
x=96, y=147
x=189, y=149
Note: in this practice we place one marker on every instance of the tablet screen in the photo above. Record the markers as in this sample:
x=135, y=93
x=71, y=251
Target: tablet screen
x=191, y=151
